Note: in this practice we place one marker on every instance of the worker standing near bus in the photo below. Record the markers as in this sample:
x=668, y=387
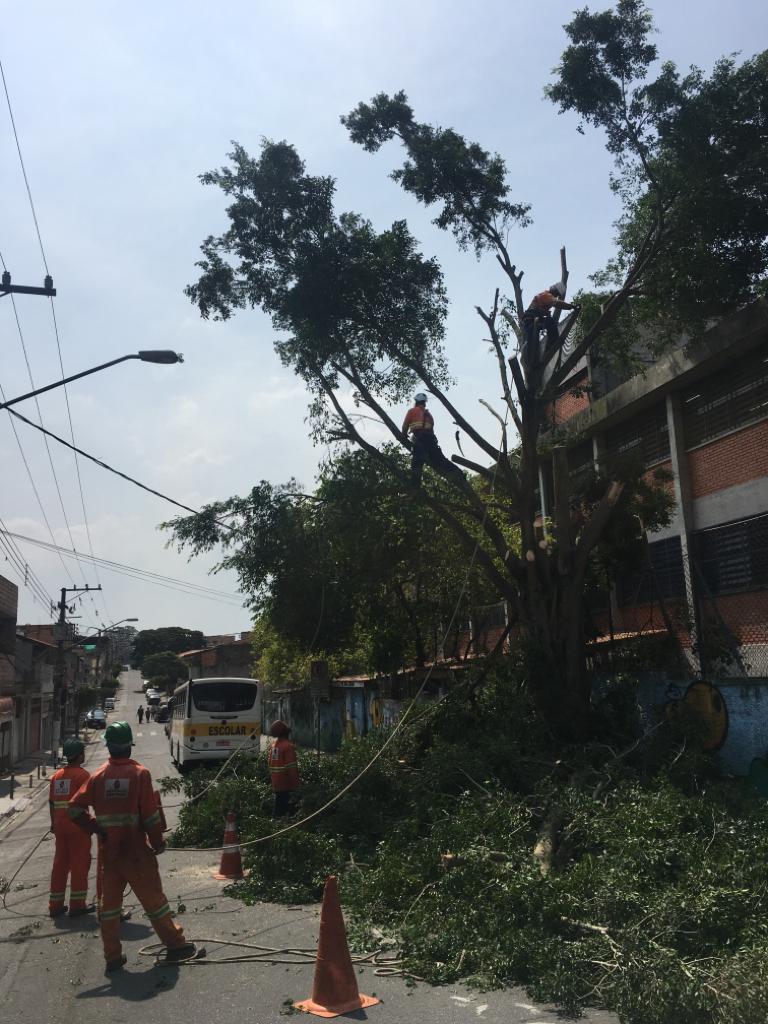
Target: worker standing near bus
x=283, y=769
x=128, y=822
x=72, y=856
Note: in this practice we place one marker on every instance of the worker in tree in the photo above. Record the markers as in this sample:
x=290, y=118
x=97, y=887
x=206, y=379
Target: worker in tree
x=128, y=822
x=72, y=857
x=283, y=769
x=538, y=318
x=420, y=425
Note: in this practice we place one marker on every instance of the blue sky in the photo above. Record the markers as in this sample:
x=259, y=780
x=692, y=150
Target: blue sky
x=119, y=109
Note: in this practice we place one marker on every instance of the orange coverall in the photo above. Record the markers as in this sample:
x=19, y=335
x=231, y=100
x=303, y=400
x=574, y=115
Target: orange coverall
x=126, y=812
x=72, y=856
x=284, y=773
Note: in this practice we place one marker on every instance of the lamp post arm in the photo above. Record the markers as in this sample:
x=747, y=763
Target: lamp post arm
x=66, y=380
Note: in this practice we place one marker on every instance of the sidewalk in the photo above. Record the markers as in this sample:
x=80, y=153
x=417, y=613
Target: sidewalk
x=30, y=768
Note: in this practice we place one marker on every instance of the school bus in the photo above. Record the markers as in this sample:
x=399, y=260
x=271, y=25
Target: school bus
x=211, y=718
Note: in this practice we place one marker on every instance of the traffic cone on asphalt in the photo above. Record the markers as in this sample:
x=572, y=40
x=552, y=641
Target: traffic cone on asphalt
x=334, y=990
x=231, y=866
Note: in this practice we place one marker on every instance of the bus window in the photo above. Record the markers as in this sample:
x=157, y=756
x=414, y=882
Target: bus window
x=224, y=696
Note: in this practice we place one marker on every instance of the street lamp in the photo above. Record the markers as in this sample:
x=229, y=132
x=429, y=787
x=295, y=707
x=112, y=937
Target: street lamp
x=162, y=355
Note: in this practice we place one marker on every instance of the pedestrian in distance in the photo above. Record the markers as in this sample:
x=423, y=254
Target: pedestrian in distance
x=128, y=822
x=72, y=855
x=140, y=713
x=420, y=424
x=283, y=769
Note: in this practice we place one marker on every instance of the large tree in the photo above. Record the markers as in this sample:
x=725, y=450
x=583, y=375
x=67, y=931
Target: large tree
x=352, y=572
x=166, y=638
x=360, y=310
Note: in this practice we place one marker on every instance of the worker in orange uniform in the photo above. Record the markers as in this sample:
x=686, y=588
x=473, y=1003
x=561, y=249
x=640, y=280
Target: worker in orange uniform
x=72, y=857
x=283, y=769
x=127, y=821
x=537, y=318
x=420, y=425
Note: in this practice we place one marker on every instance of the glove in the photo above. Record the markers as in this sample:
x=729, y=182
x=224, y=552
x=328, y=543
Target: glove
x=157, y=850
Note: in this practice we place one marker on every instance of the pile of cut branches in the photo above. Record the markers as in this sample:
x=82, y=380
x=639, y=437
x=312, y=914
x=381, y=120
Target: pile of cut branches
x=624, y=874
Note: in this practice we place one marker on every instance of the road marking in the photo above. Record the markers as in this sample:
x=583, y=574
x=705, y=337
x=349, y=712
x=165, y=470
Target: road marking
x=153, y=734
x=139, y=734
x=480, y=1010
x=461, y=999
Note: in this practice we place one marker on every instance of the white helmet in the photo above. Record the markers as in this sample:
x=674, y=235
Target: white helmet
x=419, y=397
x=558, y=289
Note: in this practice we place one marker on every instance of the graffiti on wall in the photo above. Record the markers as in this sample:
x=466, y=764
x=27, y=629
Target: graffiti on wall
x=708, y=703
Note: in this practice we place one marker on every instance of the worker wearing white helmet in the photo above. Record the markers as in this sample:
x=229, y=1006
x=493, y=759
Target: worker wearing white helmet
x=537, y=318
x=420, y=425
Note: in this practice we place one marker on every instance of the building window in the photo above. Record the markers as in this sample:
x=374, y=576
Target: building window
x=734, y=557
x=662, y=574
x=727, y=400
x=646, y=436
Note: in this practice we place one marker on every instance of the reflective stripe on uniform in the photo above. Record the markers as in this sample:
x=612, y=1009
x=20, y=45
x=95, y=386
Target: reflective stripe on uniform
x=110, y=915
x=78, y=895
x=56, y=897
x=153, y=915
x=153, y=819
x=60, y=805
x=74, y=811
x=117, y=820
x=282, y=767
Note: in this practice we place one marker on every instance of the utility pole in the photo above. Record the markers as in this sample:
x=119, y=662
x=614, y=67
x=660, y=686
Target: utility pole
x=59, y=689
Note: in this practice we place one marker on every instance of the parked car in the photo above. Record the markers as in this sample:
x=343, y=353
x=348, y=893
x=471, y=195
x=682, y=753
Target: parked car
x=154, y=697
x=109, y=704
x=163, y=713
x=96, y=719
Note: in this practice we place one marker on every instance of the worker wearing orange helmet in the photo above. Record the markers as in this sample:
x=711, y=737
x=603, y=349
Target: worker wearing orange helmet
x=283, y=769
x=128, y=822
x=72, y=856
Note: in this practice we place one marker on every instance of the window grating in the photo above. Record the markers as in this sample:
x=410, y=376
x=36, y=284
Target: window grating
x=646, y=435
x=666, y=557
x=729, y=399
x=735, y=556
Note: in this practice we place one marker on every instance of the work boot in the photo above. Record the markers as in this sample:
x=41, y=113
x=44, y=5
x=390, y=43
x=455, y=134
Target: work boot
x=79, y=911
x=177, y=954
x=57, y=911
x=116, y=965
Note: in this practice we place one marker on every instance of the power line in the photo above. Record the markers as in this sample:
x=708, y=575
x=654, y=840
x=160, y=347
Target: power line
x=111, y=469
x=23, y=168
x=194, y=589
x=45, y=439
x=53, y=315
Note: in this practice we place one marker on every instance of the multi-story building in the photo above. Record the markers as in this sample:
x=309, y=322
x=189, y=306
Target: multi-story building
x=701, y=413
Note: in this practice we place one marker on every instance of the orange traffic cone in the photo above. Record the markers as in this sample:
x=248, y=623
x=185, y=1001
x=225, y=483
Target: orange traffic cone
x=334, y=990
x=231, y=866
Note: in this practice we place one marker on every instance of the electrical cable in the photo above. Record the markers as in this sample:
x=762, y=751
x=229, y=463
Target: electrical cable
x=53, y=315
x=111, y=469
x=40, y=418
x=192, y=588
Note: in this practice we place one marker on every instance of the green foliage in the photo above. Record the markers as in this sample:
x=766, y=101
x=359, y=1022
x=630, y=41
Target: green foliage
x=87, y=697
x=655, y=904
x=165, y=667
x=166, y=638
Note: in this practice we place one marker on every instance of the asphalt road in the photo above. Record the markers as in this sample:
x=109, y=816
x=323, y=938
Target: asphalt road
x=53, y=971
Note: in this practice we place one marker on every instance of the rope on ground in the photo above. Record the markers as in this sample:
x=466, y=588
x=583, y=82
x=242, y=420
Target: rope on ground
x=400, y=724
x=385, y=966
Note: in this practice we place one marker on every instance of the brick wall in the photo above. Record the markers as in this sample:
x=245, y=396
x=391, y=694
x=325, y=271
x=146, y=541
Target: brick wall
x=565, y=406
x=746, y=615
x=731, y=460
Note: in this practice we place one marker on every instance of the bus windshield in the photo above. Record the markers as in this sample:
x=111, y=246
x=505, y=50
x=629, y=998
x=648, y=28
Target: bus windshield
x=224, y=696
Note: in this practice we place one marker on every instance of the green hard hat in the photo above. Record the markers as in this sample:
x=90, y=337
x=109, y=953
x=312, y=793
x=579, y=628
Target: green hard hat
x=118, y=734
x=73, y=748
